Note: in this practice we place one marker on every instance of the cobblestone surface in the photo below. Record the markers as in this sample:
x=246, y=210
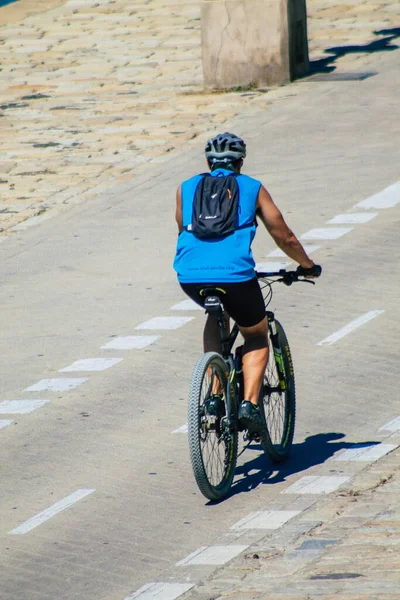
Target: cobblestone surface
x=95, y=91
x=351, y=550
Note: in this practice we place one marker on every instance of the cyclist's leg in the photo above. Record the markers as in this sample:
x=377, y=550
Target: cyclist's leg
x=245, y=304
x=212, y=334
x=255, y=358
x=212, y=343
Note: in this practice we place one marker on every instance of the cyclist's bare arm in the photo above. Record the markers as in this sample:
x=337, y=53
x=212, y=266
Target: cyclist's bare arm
x=273, y=220
x=178, y=212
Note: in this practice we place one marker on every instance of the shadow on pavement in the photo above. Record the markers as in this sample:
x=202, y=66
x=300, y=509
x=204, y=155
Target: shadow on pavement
x=324, y=65
x=315, y=450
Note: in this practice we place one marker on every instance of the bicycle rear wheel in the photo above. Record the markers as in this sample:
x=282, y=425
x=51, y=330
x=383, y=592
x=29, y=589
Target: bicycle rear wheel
x=213, y=447
x=278, y=399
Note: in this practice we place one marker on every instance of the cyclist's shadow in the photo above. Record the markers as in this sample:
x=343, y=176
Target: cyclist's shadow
x=315, y=449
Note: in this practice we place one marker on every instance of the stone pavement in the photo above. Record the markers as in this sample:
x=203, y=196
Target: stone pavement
x=345, y=547
x=94, y=92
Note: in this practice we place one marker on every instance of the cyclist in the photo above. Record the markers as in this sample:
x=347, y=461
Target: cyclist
x=227, y=263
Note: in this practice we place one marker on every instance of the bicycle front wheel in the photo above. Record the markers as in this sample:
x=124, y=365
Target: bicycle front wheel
x=213, y=447
x=278, y=399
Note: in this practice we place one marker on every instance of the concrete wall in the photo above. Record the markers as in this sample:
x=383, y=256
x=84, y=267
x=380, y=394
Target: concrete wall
x=252, y=42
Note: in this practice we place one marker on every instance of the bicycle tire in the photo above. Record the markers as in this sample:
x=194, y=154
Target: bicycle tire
x=278, y=406
x=214, y=486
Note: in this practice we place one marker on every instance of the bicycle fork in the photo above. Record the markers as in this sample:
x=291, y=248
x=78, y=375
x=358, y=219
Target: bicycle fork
x=280, y=367
x=231, y=392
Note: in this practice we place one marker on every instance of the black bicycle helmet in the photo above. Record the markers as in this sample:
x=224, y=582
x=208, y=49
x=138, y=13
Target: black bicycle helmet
x=225, y=147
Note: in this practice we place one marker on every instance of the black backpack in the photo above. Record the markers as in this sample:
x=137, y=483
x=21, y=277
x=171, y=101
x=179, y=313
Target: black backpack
x=215, y=206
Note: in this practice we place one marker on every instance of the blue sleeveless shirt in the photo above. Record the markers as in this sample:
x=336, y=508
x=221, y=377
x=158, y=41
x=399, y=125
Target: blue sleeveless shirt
x=223, y=260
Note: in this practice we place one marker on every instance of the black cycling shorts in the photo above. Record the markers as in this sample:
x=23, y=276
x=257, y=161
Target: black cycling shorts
x=243, y=301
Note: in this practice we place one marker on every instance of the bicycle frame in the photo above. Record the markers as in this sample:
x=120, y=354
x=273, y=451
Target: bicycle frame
x=214, y=304
x=227, y=341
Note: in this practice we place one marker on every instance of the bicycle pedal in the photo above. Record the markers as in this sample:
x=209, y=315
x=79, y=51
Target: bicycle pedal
x=251, y=437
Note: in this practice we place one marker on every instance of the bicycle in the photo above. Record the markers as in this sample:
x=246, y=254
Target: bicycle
x=213, y=427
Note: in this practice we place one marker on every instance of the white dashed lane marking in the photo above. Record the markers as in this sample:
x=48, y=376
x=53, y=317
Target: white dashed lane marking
x=4, y=423
x=20, y=407
x=365, y=453
x=387, y=198
x=186, y=305
x=326, y=233
x=130, y=342
x=212, y=555
x=161, y=591
x=268, y=519
x=56, y=385
x=91, y=364
x=50, y=512
x=278, y=253
x=393, y=425
x=352, y=218
x=316, y=485
x=334, y=337
x=271, y=266
x=165, y=323
x=182, y=429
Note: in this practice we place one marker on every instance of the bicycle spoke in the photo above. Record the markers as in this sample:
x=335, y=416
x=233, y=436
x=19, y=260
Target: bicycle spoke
x=274, y=402
x=278, y=403
x=276, y=416
x=213, y=464
x=213, y=446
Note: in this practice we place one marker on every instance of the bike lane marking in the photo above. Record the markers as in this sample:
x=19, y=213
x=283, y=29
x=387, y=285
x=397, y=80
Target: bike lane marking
x=387, y=198
x=265, y=519
x=326, y=233
x=91, y=364
x=160, y=591
x=314, y=484
x=182, y=429
x=393, y=425
x=20, y=407
x=351, y=218
x=50, y=512
x=130, y=342
x=271, y=266
x=363, y=453
x=165, y=323
x=56, y=385
x=334, y=337
x=187, y=305
x=212, y=555
x=278, y=253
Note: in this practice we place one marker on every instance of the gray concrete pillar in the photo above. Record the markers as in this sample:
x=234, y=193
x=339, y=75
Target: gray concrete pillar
x=253, y=42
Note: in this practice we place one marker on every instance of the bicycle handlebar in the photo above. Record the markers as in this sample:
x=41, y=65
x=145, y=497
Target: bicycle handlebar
x=287, y=277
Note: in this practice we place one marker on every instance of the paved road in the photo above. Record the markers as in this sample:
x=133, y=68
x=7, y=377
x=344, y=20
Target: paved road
x=79, y=281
